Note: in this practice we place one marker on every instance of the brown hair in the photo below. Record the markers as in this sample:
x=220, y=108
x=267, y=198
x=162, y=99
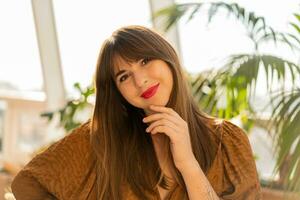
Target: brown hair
x=123, y=153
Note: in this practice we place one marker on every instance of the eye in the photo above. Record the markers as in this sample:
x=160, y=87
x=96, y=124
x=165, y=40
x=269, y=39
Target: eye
x=123, y=78
x=145, y=61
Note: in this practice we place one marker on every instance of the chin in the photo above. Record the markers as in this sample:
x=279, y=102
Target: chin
x=164, y=102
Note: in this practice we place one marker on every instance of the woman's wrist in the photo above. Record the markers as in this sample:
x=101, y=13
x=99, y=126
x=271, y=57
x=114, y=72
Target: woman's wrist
x=196, y=182
x=190, y=167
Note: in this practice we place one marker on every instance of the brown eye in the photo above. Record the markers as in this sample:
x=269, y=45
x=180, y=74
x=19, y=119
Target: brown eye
x=123, y=78
x=145, y=61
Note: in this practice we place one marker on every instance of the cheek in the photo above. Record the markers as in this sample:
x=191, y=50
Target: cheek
x=166, y=74
x=161, y=69
x=127, y=92
x=157, y=72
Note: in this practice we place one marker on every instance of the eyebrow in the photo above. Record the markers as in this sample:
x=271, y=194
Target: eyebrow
x=119, y=73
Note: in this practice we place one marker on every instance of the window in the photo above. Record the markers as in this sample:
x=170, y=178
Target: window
x=2, y=117
x=82, y=27
x=19, y=64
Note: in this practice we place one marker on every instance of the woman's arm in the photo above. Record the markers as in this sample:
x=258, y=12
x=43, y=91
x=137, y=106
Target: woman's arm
x=197, y=185
x=235, y=175
x=167, y=121
x=63, y=170
x=25, y=187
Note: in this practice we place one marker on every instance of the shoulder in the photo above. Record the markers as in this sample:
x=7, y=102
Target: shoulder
x=83, y=131
x=78, y=137
x=233, y=172
x=76, y=145
x=226, y=132
x=235, y=147
x=61, y=168
x=68, y=148
x=233, y=143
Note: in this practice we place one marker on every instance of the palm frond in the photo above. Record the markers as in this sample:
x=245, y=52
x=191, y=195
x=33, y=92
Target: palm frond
x=226, y=92
x=286, y=123
x=256, y=27
x=171, y=14
x=246, y=67
x=296, y=26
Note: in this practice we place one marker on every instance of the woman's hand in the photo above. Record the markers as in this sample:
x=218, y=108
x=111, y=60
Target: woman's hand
x=167, y=121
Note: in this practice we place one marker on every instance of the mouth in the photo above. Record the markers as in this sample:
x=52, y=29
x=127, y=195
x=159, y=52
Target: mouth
x=150, y=92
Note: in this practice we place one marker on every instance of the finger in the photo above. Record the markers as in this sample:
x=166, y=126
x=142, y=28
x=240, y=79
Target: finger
x=158, y=116
x=164, y=129
x=160, y=123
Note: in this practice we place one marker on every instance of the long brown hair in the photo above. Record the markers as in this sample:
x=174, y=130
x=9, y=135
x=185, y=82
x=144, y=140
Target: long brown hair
x=124, y=153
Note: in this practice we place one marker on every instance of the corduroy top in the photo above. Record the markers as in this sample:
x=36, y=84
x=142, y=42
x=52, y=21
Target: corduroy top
x=66, y=170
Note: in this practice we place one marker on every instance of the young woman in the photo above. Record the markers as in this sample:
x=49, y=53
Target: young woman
x=147, y=138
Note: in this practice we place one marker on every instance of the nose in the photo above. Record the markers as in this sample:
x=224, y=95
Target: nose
x=140, y=79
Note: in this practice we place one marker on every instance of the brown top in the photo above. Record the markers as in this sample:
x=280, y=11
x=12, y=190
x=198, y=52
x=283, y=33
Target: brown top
x=66, y=171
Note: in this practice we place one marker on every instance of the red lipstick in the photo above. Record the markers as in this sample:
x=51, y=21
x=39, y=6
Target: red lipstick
x=150, y=92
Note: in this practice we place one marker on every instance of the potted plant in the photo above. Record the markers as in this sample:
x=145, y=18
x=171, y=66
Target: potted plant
x=236, y=82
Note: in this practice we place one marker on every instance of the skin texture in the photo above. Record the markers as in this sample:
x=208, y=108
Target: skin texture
x=163, y=121
x=137, y=78
x=141, y=75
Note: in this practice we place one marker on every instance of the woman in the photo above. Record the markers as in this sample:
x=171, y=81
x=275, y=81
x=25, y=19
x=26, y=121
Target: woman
x=147, y=139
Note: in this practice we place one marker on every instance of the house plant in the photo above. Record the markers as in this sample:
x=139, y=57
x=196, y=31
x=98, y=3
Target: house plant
x=237, y=80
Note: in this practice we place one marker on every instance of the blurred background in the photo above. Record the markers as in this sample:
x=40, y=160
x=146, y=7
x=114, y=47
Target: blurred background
x=241, y=59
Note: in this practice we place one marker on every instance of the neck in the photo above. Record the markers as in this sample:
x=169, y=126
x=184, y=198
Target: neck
x=161, y=145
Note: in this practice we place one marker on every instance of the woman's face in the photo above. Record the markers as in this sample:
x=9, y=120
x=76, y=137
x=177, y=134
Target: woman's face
x=144, y=83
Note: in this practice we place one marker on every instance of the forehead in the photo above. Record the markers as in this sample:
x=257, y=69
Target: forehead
x=120, y=63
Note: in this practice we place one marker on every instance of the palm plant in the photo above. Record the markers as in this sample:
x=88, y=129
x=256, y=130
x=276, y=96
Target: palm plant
x=286, y=122
x=236, y=81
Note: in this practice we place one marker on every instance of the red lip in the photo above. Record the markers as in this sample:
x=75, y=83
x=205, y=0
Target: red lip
x=150, y=92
